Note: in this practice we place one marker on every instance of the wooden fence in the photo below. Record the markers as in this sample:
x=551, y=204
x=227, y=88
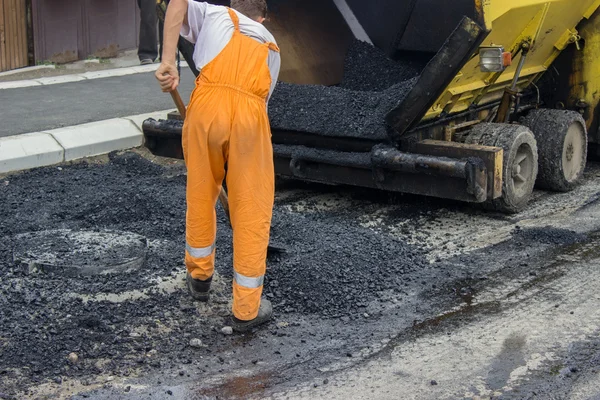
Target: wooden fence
x=13, y=34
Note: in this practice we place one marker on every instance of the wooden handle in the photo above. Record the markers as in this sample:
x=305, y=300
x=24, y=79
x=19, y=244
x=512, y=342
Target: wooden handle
x=225, y=203
x=179, y=103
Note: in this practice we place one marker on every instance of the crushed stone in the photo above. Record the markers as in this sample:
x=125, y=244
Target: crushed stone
x=371, y=87
x=547, y=235
x=335, y=111
x=332, y=269
x=368, y=68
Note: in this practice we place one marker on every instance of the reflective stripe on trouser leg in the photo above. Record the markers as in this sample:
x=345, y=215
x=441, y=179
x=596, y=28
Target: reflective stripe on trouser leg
x=199, y=252
x=200, y=261
x=247, y=282
x=246, y=296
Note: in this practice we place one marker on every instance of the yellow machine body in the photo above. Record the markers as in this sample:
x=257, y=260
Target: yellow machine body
x=549, y=26
x=581, y=91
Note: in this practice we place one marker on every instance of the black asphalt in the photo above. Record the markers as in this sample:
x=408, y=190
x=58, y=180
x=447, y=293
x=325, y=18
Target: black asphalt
x=38, y=108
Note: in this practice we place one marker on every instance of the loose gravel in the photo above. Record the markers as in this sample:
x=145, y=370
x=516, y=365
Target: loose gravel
x=333, y=269
x=335, y=111
x=367, y=68
x=547, y=235
x=372, y=86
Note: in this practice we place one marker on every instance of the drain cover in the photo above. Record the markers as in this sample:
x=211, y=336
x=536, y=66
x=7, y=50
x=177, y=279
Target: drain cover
x=76, y=253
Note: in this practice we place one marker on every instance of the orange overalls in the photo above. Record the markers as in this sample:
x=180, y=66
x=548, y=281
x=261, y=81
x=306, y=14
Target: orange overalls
x=227, y=123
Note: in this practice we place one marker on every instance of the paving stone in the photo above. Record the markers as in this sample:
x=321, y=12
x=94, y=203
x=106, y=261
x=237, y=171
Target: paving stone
x=31, y=150
x=97, y=138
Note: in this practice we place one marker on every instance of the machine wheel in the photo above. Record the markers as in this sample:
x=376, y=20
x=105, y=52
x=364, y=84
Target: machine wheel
x=562, y=145
x=520, y=163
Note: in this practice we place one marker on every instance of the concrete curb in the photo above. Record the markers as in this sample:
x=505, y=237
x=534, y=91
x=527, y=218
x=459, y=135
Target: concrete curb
x=26, y=69
x=107, y=73
x=39, y=149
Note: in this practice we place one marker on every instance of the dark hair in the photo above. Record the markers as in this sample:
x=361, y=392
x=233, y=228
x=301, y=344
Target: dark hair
x=251, y=8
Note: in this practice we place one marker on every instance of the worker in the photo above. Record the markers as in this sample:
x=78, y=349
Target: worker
x=227, y=127
x=147, y=49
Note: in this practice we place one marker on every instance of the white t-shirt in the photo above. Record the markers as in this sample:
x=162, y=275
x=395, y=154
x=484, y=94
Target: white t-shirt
x=210, y=27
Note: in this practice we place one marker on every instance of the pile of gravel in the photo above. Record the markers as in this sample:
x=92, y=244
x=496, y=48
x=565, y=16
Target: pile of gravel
x=333, y=268
x=372, y=86
x=547, y=235
x=368, y=68
x=335, y=111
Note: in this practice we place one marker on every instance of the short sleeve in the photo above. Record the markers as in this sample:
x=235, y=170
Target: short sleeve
x=195, y=19
x=274, y=62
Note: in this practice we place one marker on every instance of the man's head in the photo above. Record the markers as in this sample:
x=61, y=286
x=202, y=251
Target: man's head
x=253, y=9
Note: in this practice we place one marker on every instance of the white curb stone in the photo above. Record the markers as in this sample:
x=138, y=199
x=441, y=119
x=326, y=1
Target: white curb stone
x=138, y=120
x=54, y=80
x=19, y=84
x=26, y=69
x=38, y=149
x=107, y=73
x=97, y=138
x=30, y=150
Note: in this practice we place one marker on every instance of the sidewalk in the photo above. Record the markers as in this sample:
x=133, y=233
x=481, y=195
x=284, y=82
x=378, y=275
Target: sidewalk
x=36, y=108
x=64, y=121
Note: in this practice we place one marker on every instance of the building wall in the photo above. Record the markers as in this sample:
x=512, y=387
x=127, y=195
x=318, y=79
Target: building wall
x=69, y=30
x=13, y=34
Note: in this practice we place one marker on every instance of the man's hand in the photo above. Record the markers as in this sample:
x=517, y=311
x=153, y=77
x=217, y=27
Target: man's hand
x=167, y=76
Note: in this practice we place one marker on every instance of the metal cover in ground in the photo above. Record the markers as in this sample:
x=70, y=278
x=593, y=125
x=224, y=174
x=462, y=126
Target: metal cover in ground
x=80, y=253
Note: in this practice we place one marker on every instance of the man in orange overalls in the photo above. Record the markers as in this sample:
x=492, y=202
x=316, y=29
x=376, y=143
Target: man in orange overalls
x=227, y=124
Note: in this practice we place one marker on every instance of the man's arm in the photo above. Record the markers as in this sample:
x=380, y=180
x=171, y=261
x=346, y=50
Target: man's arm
x=167, y=75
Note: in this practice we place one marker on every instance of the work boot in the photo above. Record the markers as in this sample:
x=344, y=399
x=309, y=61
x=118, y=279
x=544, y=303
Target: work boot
x=199, y=289
x=265, y=313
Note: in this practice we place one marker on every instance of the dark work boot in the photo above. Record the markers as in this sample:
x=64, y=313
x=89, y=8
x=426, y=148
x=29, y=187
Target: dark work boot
x=265, y=313
x=199, y=289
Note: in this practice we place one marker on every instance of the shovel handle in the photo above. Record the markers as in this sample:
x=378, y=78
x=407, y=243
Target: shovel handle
x=225, y=203
x=178, y=102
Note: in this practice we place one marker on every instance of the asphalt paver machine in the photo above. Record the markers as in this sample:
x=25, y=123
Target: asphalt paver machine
x=509, y=98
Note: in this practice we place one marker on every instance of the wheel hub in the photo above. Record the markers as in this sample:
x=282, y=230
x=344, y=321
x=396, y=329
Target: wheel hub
x=522, y=169
x=570, y=152
x=573, y=152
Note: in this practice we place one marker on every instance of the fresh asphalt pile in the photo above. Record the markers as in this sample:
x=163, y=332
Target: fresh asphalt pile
x=333, y=269
x=367, y=68
x=334, y=111
x=372, y=86
x=547, y=235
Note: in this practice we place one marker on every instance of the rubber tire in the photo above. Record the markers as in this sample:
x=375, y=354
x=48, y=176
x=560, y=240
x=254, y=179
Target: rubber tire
x=550, y=128
x=510, y=138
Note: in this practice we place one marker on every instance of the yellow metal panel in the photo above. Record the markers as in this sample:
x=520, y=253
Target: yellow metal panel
x=546, y=23
x=592, y=9
x=584, y=80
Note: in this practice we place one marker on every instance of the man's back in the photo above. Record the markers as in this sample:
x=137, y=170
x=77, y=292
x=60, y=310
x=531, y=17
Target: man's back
x=210, y=28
